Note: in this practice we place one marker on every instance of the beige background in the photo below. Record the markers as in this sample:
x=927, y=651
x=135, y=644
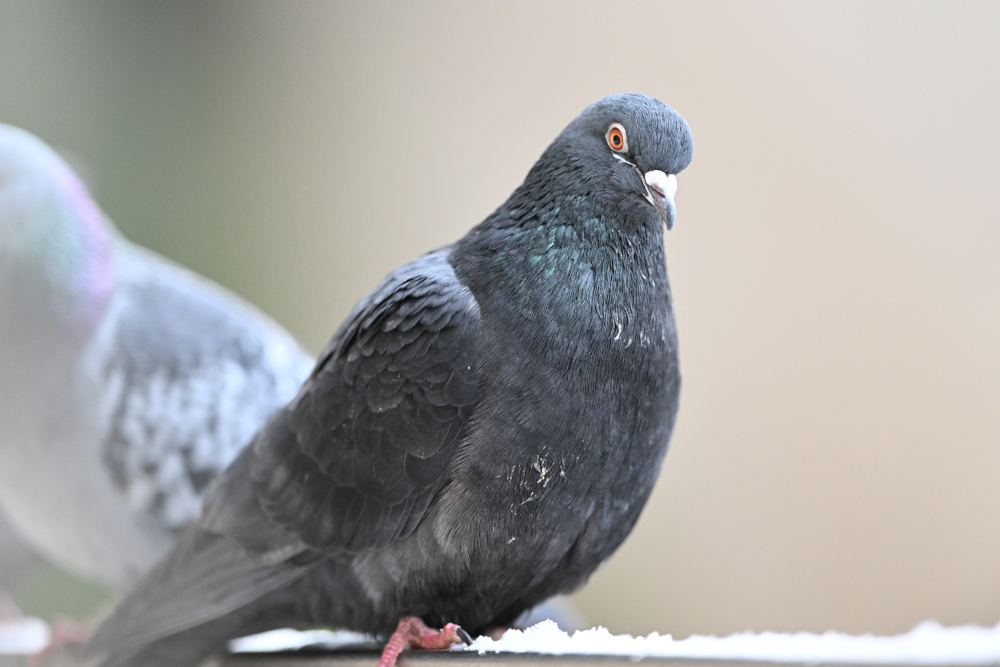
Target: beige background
x=835, y=260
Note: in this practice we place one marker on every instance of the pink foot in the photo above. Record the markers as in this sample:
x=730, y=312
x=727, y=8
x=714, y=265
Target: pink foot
x=411, y=632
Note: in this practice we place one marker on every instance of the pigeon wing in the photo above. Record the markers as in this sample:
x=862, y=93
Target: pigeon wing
x=351, y=464
x=380, y=419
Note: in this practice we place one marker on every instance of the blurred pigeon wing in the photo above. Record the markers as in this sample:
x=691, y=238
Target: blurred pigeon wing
x=190, y=373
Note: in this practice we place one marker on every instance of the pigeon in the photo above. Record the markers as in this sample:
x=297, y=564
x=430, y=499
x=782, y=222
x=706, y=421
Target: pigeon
x=127, y=383
x=479, y=435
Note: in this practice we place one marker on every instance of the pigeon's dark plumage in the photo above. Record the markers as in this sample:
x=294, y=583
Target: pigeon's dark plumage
x=479, y=435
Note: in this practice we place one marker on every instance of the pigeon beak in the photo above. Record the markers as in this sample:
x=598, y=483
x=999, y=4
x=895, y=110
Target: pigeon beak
x=661, y=189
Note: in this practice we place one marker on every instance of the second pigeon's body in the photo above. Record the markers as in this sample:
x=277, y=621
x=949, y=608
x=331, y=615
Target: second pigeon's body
x=126, y=382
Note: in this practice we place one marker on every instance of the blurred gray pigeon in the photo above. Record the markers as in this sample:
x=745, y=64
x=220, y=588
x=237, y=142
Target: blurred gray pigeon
x=480, y=434
x=126, y=382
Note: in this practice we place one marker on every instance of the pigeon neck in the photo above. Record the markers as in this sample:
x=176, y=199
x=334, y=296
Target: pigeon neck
x=572, y=263
x=56, y=268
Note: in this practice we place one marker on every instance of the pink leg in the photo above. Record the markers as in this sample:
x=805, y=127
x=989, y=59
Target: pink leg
x=411, y=632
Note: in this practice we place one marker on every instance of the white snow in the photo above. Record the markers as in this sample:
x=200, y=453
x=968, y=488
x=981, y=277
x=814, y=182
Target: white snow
x=23, y=636
x=287, y=640
x=927, y=644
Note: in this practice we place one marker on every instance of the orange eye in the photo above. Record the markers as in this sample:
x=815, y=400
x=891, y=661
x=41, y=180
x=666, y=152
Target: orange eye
x=616, y=138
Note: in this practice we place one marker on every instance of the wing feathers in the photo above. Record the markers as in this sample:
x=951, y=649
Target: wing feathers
x=372, y=432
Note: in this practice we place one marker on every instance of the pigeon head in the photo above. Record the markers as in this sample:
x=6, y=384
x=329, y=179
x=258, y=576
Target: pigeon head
x=626, y=150
x=56, y=246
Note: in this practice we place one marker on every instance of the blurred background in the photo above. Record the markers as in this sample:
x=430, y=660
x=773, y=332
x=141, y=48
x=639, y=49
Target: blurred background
x=836, y=259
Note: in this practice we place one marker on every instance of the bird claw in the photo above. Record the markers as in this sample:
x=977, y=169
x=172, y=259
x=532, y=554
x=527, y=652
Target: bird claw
x=464, y=636
x=413, y=633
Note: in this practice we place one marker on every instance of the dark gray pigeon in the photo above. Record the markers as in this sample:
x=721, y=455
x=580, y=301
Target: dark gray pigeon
x=126, y=382
x=480, y=434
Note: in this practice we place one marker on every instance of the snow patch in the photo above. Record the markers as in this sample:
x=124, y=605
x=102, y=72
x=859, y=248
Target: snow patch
x=927, y=644
x=287, y=639
x=23, y=636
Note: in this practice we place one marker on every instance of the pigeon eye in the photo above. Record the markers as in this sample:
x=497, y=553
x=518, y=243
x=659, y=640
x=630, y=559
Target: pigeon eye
x=616, y=138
